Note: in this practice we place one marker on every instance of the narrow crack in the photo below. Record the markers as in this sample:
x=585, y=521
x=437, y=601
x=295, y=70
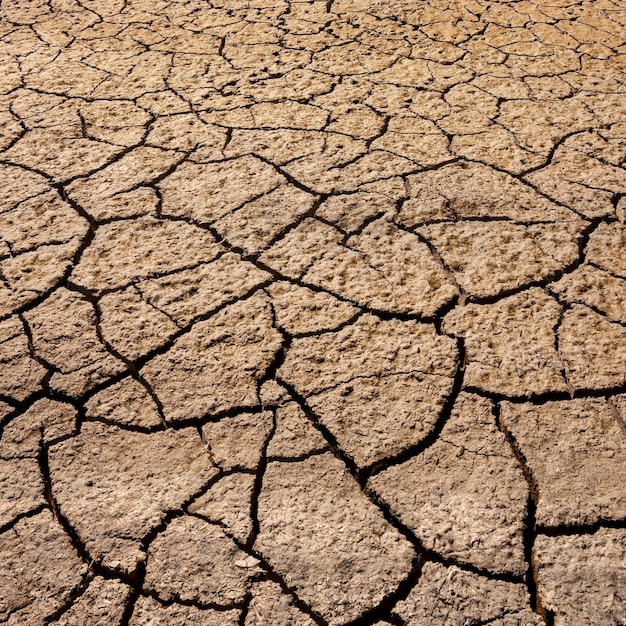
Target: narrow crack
x=530, y=523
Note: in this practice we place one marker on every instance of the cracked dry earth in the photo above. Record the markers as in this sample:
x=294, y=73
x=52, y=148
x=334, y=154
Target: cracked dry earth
x=313, y=313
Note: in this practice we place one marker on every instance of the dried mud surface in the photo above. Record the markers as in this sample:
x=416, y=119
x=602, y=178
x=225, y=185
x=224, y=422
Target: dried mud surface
x=313, y=312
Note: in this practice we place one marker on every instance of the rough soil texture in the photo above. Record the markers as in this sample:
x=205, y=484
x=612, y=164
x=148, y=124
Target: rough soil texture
x=312, y=313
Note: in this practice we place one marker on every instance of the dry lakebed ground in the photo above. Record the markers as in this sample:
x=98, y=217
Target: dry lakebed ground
x=313, y=313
